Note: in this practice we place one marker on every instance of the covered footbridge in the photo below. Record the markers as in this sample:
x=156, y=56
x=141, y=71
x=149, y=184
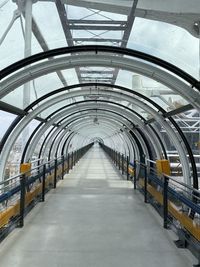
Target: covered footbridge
x=100, y=133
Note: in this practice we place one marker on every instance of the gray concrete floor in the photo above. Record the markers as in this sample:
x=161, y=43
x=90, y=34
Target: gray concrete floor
x=93, y=219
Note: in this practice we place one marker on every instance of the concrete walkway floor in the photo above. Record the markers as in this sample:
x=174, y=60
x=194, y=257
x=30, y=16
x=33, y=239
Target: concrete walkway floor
x=93, y=219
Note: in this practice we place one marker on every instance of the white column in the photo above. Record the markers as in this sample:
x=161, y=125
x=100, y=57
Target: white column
x=27, y=53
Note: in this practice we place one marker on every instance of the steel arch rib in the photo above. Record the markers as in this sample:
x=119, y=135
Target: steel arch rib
x=129, y=64
x=103, y=101
x=126, y=116
x=102, y=115
x=115, y=95
x=100, y=48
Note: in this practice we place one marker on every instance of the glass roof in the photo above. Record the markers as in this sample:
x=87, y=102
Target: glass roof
x=88, y=25
x=169, y=32
x=150, y=29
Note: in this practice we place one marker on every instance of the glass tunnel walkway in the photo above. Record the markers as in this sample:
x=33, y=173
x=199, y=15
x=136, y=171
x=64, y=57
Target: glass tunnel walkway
x=93, y=217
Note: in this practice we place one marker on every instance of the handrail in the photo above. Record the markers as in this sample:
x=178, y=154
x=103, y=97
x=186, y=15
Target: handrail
x=16, y=197
x=169, y=177
x=101, y=48
x=32, y=169
x=20, y=174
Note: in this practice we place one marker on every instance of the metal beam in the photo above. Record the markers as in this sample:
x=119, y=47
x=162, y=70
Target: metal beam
x=96, y=27
x=172, y=113
x=38, y=35
x=106, y=49
x=101, y=72
x=16, y=111
x=183, y=14
x=97, y=40
x=178, y=110
x=12, y=109
x=126, y=35
x=66, y=28
x=101, y=22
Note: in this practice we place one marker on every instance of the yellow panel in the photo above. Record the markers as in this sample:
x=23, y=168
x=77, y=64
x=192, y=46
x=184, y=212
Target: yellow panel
x=198, y=144
x=25, y=167
x=183, y=218
x=7, y=214
x=163, y=166
x=131, y=171
x=16, y=208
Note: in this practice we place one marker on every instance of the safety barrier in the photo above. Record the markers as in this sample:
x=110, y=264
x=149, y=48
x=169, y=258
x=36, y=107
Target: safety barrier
x=19, y=192
x=121, y=161
x=177, y=202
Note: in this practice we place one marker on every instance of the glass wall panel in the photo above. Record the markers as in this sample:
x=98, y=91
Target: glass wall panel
x=13, y=163
x=5, y=121
x=168, y=42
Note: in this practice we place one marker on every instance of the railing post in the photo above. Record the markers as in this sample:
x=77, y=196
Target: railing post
x=127, y=167
x=135, y=166
x=74, y=157
x=22, y=199
x=67, y=163
x=122, y=164
x=77, y=155
x=43, y=182
x=145, y=184
x=165, y=202
x=72, y=160
x=55, y=173
x=63, y=167
x=118, y=159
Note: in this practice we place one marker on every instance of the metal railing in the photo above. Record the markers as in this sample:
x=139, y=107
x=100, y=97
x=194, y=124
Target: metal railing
x=19, y=192
x=177, y=202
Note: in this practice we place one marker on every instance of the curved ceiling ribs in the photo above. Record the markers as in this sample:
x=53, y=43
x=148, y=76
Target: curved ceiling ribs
x=111, y=114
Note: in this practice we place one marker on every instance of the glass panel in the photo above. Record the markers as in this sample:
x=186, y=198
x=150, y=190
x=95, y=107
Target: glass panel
x=156, y=91
x=5, y=121
x=11, y=47
x=167, y=42
x=189, y=122
x=47, y=19
x=89, y=25
x=159, y=93
x=13, y=163
x=38, y=88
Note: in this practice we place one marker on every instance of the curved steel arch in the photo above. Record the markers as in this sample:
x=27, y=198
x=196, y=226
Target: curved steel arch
x=65, y=145
x=70, y=87
x=113, y=94
x=69, y=110
x=110, y=123
x=99, y=108
x=141, y=140
x=134, y=144
x=87, y=101
x=100, y=48
x=138, y=137
x=128, y=90
x=52, y=129
x=124, y=63
x=67, y=123
x=149, y=134
x=101, y=115
x=106, y=128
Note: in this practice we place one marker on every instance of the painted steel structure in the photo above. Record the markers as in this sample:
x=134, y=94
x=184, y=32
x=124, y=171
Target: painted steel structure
x=98, y=107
